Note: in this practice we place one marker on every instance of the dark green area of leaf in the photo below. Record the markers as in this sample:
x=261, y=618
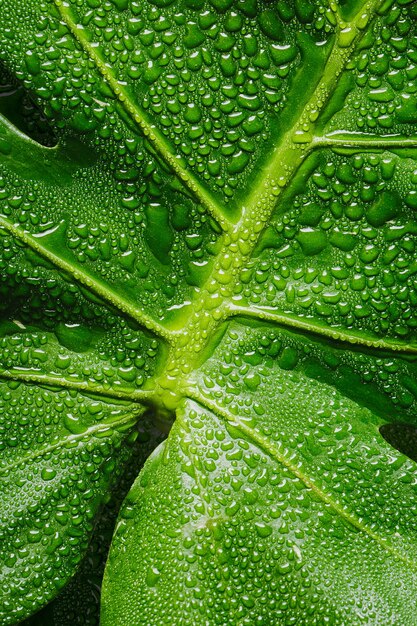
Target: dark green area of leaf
x=17, y=105
x=402, y=437
x=79, y=603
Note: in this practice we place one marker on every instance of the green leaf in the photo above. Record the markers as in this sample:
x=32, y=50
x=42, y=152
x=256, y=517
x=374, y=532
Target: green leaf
x=63, y=452
x=78, y=604
x=207, y=215
x=278, y=498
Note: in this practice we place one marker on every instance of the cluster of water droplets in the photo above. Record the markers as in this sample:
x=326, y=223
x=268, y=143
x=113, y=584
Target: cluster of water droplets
x=382, y=382
x=189, y=70
x=384, y=97
x=344, y=249
x=60, y=455
x=212, y=89
x=240, y=528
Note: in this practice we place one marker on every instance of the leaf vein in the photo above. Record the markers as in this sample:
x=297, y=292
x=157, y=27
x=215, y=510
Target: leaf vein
x=83, y=277
x=275, y=454
x=69, y=440
x=138, y=116
x=310, y=326
x=37, y=378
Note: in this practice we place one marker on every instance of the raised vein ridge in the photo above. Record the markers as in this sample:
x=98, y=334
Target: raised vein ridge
x=298, y=142
x=141, y=120
x=83, y=277
x=70, y=439
x=365, y=141
x=53, y=380
x=272, y=450
x=212, y=302
x=352, y=337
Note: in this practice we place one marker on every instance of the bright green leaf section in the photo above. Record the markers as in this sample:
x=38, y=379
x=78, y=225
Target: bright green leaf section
x=220, y=227
x=282, y=504
x=276, y=498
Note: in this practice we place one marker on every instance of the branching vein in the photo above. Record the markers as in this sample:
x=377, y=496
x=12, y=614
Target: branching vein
x=343, y=335
x=69, y=440
x=269, y=447
x=85, y=278
x=365, y=141
x=139, y=117
x=54, y=380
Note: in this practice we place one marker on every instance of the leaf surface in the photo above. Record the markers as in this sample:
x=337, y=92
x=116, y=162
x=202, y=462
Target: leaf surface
x=219, y=228
x=231, y=525
x=78, y=604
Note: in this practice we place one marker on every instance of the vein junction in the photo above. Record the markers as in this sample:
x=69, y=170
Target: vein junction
x=213, y=303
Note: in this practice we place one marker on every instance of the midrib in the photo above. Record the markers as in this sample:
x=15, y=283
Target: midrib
x=210, y=306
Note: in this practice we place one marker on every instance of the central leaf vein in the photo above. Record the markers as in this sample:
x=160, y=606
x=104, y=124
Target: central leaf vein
x=212, y=300
x=212, y=303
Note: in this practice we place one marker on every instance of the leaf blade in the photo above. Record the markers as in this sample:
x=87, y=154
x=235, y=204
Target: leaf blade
x=52, y=488
x=330, y=255
x=192, y=553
